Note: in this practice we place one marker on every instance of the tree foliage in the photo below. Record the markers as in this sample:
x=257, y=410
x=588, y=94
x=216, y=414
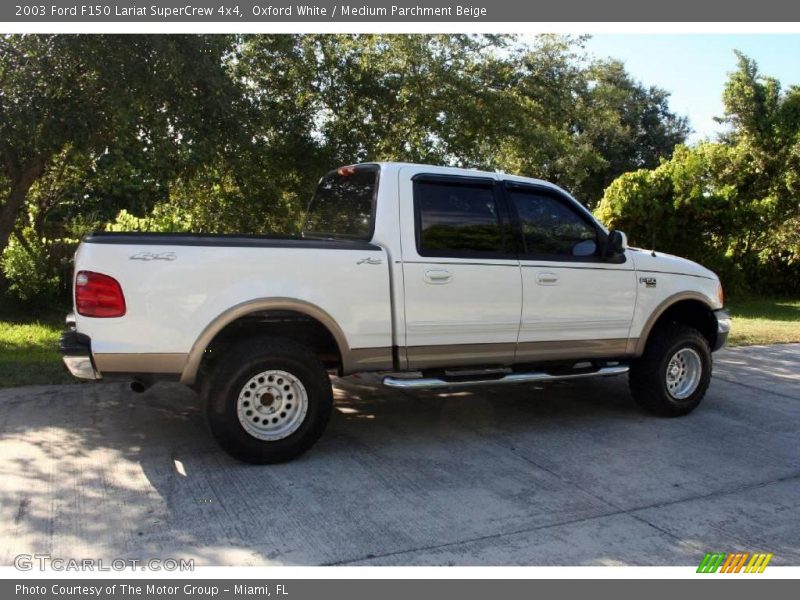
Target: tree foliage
x=160, y=99
x=231, y=133
x=733, y=205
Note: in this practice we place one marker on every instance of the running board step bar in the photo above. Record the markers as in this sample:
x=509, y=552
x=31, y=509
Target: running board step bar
x=432, y=382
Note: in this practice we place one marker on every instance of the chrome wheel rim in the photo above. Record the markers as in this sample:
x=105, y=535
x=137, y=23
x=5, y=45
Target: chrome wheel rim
x=272, y=405
x=684, y=371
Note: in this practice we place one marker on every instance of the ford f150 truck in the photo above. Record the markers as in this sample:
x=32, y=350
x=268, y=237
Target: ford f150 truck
x=440, y=277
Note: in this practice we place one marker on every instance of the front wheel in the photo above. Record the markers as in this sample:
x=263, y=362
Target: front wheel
x=673, y=374
x=268, y=400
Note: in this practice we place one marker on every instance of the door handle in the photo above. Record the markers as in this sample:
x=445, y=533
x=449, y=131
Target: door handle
x=438, y=276
x=547, y=279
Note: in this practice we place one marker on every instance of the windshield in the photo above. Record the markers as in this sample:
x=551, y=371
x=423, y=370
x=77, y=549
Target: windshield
x=343, y=205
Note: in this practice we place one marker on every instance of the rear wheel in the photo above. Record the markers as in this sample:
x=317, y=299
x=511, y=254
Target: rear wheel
x=673, y=374
x=268, y=400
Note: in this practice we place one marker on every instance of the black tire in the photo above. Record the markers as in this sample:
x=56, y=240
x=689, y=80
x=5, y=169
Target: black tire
x=246, y=360
x=648, y=374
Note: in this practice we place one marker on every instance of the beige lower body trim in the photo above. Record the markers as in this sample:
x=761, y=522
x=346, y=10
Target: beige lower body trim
x=172, y=363
x=356, y=360
x=572, y=349
x=419, y=357
x=367, y=359
x=427, y=357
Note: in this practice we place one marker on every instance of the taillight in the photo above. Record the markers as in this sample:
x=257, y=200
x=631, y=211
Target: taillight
x=98, y=295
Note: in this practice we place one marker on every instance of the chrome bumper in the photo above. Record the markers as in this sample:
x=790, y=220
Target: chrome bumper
x=81, y=367
x=723, y=328
x=76, y=352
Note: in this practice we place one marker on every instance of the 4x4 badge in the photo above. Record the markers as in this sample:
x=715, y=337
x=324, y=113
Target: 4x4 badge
x=370, y=261
x=148, y=256
x=648, y=281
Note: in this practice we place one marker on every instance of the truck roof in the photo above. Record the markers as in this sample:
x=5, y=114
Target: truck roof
x=395, y=166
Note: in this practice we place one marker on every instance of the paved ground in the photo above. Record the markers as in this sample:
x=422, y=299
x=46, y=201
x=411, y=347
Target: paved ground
x=566, y=474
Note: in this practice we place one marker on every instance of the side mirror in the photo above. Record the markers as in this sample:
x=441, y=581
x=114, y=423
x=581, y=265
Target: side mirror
x=616, y=244
x=585, y=248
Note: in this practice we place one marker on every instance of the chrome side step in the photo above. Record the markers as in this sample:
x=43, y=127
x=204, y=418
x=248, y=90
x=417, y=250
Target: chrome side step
x=432, y=382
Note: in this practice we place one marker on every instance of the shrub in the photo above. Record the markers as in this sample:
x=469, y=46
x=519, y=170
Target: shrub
x=30, y=271
x=213, y=202
x=710, y=204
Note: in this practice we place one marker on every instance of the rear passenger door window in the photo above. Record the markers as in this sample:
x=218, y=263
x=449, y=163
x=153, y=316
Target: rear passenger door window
x=458, y=218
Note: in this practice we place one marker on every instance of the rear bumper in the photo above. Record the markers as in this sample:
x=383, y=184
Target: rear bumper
x=723, y=328
x=76, y=351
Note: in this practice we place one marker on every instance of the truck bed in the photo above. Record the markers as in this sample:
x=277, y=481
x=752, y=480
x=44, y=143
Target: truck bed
x=178, y=285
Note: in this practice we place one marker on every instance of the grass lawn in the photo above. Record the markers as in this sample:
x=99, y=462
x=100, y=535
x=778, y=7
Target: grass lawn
x=764, y=321
x=29, y=345
x=29, y=350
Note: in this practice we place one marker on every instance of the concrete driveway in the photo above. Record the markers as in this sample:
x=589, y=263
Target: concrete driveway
x=567, y=474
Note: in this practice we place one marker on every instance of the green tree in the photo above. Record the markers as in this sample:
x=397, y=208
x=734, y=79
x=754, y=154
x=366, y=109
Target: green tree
x=230, y=133
x=628, y=125
x=546, y=112
x=169, y=100
x=733, y=205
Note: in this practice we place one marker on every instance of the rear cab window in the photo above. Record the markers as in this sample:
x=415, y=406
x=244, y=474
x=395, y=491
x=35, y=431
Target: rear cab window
x=343, y=207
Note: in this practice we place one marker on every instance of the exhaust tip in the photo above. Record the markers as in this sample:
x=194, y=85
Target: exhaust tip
x=139, y=387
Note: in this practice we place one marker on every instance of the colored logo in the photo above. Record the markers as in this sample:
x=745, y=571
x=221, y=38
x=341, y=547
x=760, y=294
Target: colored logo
x=739, y=562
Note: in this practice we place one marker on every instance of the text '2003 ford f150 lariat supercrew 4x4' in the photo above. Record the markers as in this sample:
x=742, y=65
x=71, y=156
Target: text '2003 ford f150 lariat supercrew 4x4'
x=438, y=276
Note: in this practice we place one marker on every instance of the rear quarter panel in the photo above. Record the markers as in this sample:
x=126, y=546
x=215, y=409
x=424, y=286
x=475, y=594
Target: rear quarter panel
x=169, y=303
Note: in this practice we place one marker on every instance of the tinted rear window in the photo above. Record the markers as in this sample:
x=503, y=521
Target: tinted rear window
x=455, y=218
x=343, y=205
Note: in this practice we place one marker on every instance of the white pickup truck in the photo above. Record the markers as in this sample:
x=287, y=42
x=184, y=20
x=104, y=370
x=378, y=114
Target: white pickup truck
x=440, y=277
